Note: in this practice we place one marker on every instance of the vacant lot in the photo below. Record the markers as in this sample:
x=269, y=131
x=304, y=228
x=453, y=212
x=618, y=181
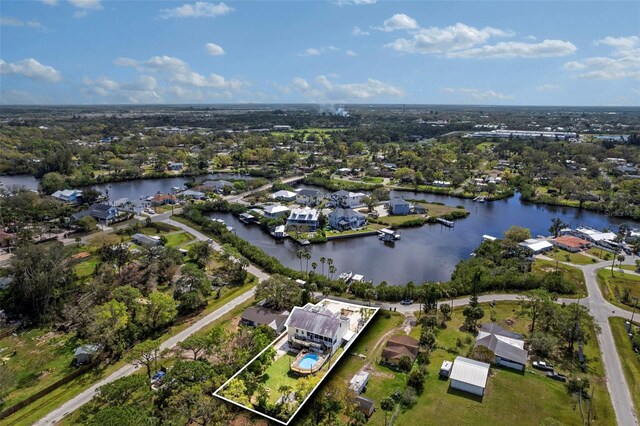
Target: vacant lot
x=619, y=288
x=629, y=359
x=575, y=275
x=565, y=256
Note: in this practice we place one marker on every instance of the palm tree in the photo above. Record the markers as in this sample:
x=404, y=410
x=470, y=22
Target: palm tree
x=387, y=404
x=314, y=265
x=323, y=260
x=307, y=255
x=299, y=255
x=332, y=270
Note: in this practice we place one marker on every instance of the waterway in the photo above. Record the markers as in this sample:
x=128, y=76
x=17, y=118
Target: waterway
x=428, y=253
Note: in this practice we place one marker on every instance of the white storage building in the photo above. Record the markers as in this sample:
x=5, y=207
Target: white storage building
x=469, y=375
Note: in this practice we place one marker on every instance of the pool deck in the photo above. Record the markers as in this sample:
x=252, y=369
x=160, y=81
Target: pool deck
x=296, y=368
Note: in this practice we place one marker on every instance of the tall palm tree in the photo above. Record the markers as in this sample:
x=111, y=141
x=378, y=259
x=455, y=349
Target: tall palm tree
x=314, y=265
x=332, y=270
x=299, y=255
x=307, y=255
x=323, y=260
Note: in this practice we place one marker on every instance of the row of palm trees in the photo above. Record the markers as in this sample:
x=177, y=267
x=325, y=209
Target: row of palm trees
x=306, y=254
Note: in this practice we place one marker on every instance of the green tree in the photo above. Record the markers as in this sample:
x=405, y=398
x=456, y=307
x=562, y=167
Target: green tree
x=200, y=252
x=515, y=235
x=387, y=404
x=473, y=313
x=107, y=323
x=161, y=310
x=197, y=344
x=119, y=392
x=279, y=291
x=416, y=378
x=556, y=226
x=147, y=354
x=52, y=182
x=533, y=303
x=87, y=224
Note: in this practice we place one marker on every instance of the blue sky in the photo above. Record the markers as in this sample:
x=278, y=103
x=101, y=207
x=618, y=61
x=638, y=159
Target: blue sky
x=343, y=51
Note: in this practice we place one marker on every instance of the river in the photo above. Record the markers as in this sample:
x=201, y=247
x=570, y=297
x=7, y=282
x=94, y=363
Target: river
x=430, y=252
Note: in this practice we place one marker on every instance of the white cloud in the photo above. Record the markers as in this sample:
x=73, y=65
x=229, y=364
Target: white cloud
x=140, y=90
x=516, y=49
x=214, y=49
x=32, y=69
x=547, y=87
x=399, y=21
x=179, y=72
x=15, y=22
x=323, y=89
x=355, y=2
x=86, y=4
x=436, y=40
x=623, y=63
x=196, y=10
x=356, y=31
x=477, y=94
x=350, y=53
x=50, y=2
x=312, y=51
x=300, y=83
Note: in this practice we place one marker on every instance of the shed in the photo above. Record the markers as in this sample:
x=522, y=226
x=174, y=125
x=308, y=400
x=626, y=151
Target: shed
x=365, y=405
x=85, y=353
x=359, y=381
x=445, y=368
x=469, y=375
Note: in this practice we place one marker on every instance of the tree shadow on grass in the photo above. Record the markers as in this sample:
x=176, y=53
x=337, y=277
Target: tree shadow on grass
x=466, y=395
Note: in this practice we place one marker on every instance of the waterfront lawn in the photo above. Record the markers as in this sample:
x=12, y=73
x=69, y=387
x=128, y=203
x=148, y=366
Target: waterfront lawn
x=370, y=228
x=565, y=256
x=614, y=287
x=575, y=275
x=175, y=240
x=599, y=253
x=628, y=358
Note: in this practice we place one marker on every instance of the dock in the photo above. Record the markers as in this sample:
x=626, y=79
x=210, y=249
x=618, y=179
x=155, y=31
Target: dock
x=445, y=222
x=387, y=234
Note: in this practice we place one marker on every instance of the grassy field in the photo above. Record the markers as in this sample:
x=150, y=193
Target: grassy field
x=511, y=397
x=575, y=275
x=86, y=267
x=175, y=240
x=614, y=287
x=600, y=253
x=565, y=256
x=37, y=410
x=628, y=358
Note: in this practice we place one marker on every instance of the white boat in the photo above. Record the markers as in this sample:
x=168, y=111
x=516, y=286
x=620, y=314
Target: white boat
x=445, y=222
x=345, y=276
x=480, y=199
x=387, y=234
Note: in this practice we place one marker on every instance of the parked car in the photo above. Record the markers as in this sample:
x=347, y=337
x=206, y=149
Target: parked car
x=158, y=376
x=541, y=365
x=150, y=211
x=407, y=302
x=557, y=376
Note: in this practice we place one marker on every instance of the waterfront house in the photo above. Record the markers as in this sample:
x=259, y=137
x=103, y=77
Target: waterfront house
x=597, y=237
x=507, y=347
x=398, y=347
x=195, y=195
x=283, y=195
x=101, y=212
x=316, y=328
x=73, y=196
x=572, y=244
x=399, y=207
x=275, y=211
x=175, y=166
x=536, y=246
x=308, y=197
x=217, y=186
x=344, y=198
x=255, y=316
x=343, y=219
x=469, y=375
x=306, y=217
x=162, y=199
x=441, y=183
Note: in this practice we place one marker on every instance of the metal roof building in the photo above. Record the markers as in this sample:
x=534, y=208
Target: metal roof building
x=469, y=375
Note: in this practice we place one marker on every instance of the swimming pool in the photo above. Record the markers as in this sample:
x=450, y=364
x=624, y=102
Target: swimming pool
x=308, y=361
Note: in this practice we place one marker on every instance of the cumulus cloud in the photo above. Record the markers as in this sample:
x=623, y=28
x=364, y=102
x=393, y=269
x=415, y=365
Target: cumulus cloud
x=179, y=72
x=356, y=31
x=623, y=62
x=355, y=2
x=86, y=4
x=15, y=22
x=312, y=51
x=140, y=90
x=350, y=53
x=514, y=49
x=196, y=10
x=50, y=2
x=477, y=94
x=434, y=40
x=214, y=49
x=547, y=87
x=323, y=89
x=300, y=83
x=32, y=69
x=399, y=21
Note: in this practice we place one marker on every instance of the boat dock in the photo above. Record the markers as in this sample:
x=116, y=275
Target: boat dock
x=387, y=234
x=445, y=222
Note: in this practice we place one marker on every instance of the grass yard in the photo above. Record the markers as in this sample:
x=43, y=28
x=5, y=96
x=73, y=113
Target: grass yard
x=614, y=288
x=371, y=179
x=600, y=253
x=175, y=240
x=86, y=267
x=575, y=275
x=565, y=256
x=628, y=358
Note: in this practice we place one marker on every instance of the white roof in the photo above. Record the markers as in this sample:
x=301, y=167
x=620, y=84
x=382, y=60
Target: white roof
x=283, y=194
x=470, y=371
x=279, y=229
x=446, y=366
x=348, y=336
x=357, y=277
x=536, y=245
x=306, y=213
x=596, y=235
x=486, y=237
x=513, y=342
x=276, y=208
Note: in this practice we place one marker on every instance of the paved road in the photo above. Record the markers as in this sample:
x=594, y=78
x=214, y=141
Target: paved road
x=86, y=396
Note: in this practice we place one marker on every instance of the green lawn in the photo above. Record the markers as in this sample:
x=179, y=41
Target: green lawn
x=86, y=267
x=628, y=358
x=575, y=275
x=371, y=179
x=615, y=287
x=600, y=253
x=174, y=240
x=565, y=256
x=511, y=397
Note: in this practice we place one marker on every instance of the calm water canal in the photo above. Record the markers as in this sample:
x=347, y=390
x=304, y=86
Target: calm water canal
x=428, y=253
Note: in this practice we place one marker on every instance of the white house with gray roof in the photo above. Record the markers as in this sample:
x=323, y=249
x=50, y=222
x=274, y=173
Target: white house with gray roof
x=316, y=328
x=304, y=217
x=507, y=347
x=346, y=219
x=346, y=198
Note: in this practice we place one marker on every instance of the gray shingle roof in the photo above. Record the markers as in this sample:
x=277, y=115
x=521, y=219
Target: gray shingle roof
x=503, y=349
x=322, y=322
x=494, y=328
